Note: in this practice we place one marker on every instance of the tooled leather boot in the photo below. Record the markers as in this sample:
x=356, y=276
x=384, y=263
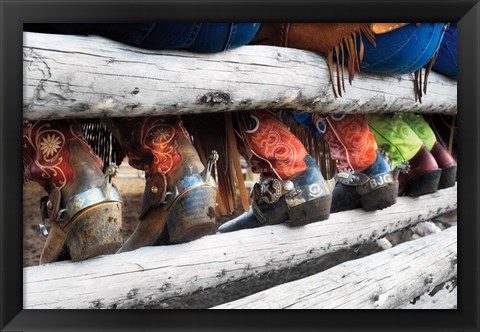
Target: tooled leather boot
x=401, y=144
x=291, y=186
x=364, y=176
x=83, y=207
x=180, y=195
x=444, y=160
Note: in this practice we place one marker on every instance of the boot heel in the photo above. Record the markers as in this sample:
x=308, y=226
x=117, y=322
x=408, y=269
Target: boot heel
x=448, y=177
x=311, y=211
x=381, y=198
x=192, y=215
x=424, y=184
x=95, y=231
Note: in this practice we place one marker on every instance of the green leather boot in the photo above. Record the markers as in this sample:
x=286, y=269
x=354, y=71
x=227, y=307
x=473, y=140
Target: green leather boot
x=401, y=143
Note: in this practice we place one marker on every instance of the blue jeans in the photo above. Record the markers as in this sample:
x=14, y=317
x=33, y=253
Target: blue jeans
x=401, y=51
x=197, y=37
x=446, y=62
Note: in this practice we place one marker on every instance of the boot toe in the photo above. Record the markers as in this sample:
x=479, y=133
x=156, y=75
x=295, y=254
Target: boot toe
x=95, y=231
x=193, y=215
x=244, y=221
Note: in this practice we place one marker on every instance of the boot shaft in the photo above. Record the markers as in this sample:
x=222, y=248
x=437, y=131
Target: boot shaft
x=350, y=140
x=426, y=134
x=274, y=149
x=156, y=145
x=420, y=127
x=55, y=153
x=395, y=137
x=178, y=203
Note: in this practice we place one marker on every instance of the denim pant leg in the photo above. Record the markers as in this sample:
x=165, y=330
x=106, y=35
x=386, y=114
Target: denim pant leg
x=200, y=37
x=217, y=37
x=446, y=62
x=404, y=50
x=306, y=120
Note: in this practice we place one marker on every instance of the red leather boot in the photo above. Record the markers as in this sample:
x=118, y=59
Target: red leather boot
x=291, y=186
x=83, y=207
x=180, y=196
x=365, y=178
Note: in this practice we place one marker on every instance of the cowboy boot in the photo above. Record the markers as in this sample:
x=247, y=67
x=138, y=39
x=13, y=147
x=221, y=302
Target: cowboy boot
x=364, y=176
x=83, y=207
x=180, y=195
x=291, y=186
x=401, y=144
x=444, y=160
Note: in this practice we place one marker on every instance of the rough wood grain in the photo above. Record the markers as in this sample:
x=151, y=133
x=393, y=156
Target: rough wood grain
x=379, y=281
x=443, y=296
x=151, y=275
x=82, y=77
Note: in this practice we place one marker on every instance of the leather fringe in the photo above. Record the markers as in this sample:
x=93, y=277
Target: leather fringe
x=315, y=146
x=418, y=90
x=214, y=131
x=102, y=142
x=348, y=46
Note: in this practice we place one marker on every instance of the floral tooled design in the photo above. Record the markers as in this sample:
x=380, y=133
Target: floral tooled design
x=50, y=145
x=46, y=153
x=420, y=127
x=42, y=158
x=351, y=142
x=158, y=151
x=395, y=137
x=271, y=142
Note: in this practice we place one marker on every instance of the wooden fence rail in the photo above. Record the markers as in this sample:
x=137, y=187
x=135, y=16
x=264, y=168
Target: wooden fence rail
x=92, y=77
x=156, y=276
x=273, y=266
x=383, y=280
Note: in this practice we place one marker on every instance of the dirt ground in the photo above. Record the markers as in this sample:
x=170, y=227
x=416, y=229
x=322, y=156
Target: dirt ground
x=131, y=185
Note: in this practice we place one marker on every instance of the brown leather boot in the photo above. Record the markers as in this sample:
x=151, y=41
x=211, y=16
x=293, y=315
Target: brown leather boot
x=83, y=207
x=448, y=165
x=180, y=194
x=423, y=177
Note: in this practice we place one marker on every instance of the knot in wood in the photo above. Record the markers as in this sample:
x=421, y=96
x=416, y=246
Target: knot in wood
x=214, y=98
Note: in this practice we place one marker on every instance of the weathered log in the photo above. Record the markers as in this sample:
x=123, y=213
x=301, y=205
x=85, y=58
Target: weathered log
x=82, y=77
x=153, y=275
x=445, y=297
x=379, y=281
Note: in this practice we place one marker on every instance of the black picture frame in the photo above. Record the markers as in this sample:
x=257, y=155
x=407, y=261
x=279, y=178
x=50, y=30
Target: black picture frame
x=15, y=13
